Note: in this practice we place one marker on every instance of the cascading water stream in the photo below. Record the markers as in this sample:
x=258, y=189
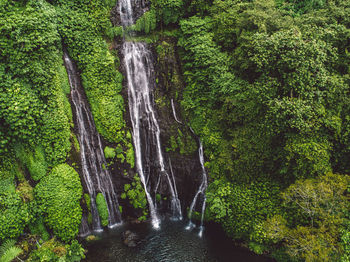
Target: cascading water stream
x=204, y=184
x=126, y=13
x=200, y=192
x=174, y=111
x=95, y=175
x=146, y=131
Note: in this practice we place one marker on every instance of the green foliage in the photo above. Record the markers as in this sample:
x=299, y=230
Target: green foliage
x=54, y=250
x=241, y=208
x=130, y=155
x=102, y=209
x=266, y=91
x=87, y=201
x=300, y=7
x=182, y=142
x=167, y=11
x=345, y=241
x=109, y=152
x=146, y=23
x=14, y=215
x=321, y=198
x=75, y=252
x=102, y=82
x=34, y=161
x=38, y=228
x=8, y=251
x=135, y=193
x=324, y=204
x=32, y=95
x=58, y=196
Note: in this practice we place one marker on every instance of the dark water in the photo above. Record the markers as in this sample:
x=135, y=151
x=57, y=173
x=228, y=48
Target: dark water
x=172, y=243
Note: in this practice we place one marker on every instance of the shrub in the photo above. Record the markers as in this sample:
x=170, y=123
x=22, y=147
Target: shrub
x=14, y=215
x=58, y=196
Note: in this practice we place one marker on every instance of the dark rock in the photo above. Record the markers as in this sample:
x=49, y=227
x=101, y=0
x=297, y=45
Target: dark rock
x=130, y=239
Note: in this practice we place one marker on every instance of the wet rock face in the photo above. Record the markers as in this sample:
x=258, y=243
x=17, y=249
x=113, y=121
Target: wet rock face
x=179, y=146
x=178, y=142
x=181, y=155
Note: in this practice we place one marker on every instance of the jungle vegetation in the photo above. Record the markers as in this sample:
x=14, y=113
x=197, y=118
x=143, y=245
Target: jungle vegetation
x=266, y=87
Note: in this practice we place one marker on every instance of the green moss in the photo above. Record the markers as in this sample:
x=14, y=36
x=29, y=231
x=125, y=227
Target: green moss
x=135, y=193
x=102, y=209
x=25, y=191
x=130, y=155
x=87, y=199
x=109, y=152
x=75, y=142
x=34, y=161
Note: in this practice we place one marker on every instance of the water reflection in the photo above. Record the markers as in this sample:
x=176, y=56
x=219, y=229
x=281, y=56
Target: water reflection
x=172, y=243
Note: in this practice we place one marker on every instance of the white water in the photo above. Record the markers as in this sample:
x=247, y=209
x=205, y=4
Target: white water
x=146, y=131
x=139, y=68
x=174, y=112
x=200, y=192
x=95, y=175
x=175, y=201
x=126, y=13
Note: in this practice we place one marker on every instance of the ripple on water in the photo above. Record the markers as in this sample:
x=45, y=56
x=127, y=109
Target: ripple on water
x=172, y=243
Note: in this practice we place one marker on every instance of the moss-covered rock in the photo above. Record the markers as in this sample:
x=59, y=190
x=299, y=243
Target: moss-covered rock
x=102, y=209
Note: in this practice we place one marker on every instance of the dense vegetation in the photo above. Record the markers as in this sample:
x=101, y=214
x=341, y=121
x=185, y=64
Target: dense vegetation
x=266, y=89
x=39, y=193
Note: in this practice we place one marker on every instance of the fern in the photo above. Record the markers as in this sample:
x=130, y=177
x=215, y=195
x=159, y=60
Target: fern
x=6, y=245
x=8, y=251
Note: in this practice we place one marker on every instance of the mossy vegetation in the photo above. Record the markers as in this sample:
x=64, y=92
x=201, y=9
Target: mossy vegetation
x=36, y=132
x=265, y=88
x=135, y=193
x=102, y=209
x=109, y=152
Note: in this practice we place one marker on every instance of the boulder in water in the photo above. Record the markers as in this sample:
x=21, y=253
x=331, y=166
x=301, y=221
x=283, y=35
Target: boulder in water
x=130, y=238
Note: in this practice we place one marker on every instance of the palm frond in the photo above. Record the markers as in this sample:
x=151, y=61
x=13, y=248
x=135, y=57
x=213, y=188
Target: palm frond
x=10, y=254
x=8, y=251
x=6, y=245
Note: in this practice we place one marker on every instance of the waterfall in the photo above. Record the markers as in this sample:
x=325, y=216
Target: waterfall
x=175, y=202
x=146, y=131
x=126, y=13
x=96, y=176
x=174, y=111
x=200, y=192
x=204, y=184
